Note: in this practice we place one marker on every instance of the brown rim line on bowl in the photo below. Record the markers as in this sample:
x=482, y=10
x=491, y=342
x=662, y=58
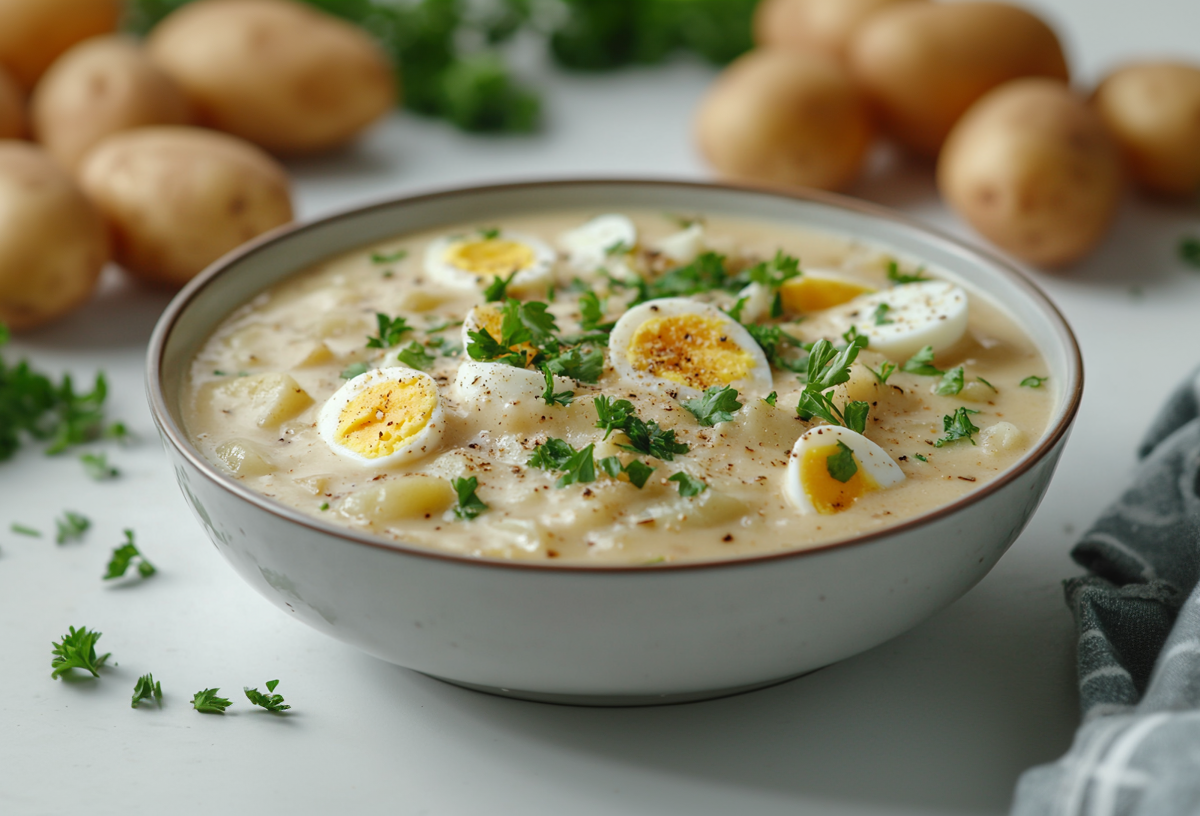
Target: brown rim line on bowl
x=277, y=255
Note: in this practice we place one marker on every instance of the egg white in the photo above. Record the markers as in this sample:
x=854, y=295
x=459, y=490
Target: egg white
x=534, y=276
x=758, y=382
x=873, y=460
x=922, y=314
x=479, y=383
x=420, y=444
x=683, y=247
x=588, y=246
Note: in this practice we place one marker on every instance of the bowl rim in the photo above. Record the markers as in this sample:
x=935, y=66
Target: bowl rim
x=175, y=435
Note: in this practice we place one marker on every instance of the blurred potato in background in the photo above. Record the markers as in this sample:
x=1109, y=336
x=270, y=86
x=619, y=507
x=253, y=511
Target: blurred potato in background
x=34, y=34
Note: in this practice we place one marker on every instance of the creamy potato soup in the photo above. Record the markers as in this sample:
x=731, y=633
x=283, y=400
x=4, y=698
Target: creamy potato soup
x=607, y=389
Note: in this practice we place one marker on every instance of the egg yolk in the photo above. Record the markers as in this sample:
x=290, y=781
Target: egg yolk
x=383, y=418
x=826, y=493
x=491, y=319
x=812, y=294
x=689, y=349
x=495, y=256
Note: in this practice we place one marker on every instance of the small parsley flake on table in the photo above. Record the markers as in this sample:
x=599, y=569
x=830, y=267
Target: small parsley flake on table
x=207, y=702
x=96, y=466
x=71, y=527
x=270, y=701
x=146, y=688
x=77, y=651
x=125, y=555
x=21, y=529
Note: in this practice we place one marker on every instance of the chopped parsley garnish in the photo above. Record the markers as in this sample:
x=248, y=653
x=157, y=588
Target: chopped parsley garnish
x=441, y=327
x=617, y=248
x=550, y=396
x=884, y=371
x=717, y=404
x=958, y=426
x=582, y=364
x=207, y=702
x=919, y=456
x=323, y=506
x=77, y=651
x=880, y=315
x=922, y=363
x=852, y=335
x=735, y=311
x=591, y=313
x=353, y=370
x=774, y=341
x=521, y=323
x=688, y=485
x=558, y=454
x=644, y=437
x=497, y=290
x=390, y=331
x=97, y=467
x=773, y=273
x=896, y=276
x=21, y=529
x=1033, y=381
x=553, y=454
x=389, y=257
x=769, y=399
x=952, y=382
x=270, y=701
x=841, y=464
x=1189, y=251
x=827, y=368
x=71, y=527
x=489, y=233
x=415, y=356
x=704, y=274
x=469, y=505
x=637, y=471
x=123, y=556
x=147, y=688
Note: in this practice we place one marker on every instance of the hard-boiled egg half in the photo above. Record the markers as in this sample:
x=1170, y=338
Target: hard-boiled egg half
x=818, y=289
x=478, y=258
x=683, y=347
x=490, y=317
x=599, y=241
x=904, y=319
x=383, y=417
x=478, y=382
x=684, y=246
x=832, y=466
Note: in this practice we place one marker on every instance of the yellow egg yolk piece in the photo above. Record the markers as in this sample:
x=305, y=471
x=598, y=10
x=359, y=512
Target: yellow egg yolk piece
x=491, y=319
x=384, y=418
x=826, y=493
x=494, y=256
x=689, y=349
x=812, y=294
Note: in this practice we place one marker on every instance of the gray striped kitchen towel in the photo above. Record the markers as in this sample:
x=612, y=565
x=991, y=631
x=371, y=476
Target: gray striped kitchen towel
x=1137, y=750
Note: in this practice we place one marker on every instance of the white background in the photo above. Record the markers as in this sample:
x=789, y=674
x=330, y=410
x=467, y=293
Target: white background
x=940, y=720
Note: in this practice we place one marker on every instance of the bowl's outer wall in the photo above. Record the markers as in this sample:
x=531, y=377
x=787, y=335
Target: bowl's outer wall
x=666, y=630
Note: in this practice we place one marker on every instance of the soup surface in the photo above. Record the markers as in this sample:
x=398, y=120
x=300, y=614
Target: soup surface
x=616, y=389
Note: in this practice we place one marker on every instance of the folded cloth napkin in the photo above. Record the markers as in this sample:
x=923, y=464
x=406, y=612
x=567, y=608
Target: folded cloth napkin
x=1138, y=615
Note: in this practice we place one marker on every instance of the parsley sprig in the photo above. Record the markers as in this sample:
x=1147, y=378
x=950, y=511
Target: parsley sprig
x=125, y=555
x=958, y=426
x=270, y=701
x=829, y=367
x=390, y=331
x=71, y=527
x=96, y=466
x=77, y=651
x=558, y=454
x=922, y=363
x=644, y=437
x=637, y=471
x=207, y=702
x=717, y=404
x=146, y=688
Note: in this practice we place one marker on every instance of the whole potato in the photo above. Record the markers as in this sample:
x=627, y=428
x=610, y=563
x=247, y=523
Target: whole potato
x=283, y=75
x=12, y=108
x=824, y=26
x=53, y=242
x=1032, y=167
x=178, y=198
x=34, y=32
x=785, y=118
x=101, y=86
x=924, y=64
x=1153, y=110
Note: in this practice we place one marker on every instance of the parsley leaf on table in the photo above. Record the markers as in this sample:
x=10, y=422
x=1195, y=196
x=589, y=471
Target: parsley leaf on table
x=71, y=527
x=145, y=689
x=717, y=404
x=270, y=701
x=125, y=555
x=96, y=466
x=77, y=651
x=21, y=529
x=207, y=702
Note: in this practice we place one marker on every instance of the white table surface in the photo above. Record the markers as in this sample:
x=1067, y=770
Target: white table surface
x=942, y=719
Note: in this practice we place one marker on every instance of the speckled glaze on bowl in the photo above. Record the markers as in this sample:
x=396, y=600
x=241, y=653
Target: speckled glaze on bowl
x=607, y=636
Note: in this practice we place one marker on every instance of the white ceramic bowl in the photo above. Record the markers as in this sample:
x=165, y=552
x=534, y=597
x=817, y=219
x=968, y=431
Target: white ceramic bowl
x=610, y=636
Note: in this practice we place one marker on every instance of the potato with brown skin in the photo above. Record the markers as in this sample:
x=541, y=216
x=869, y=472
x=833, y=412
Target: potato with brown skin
x=822, y=26
x=178, y=198
x=280, y=74
x=1153, y=111
x=33, y=33
x=1034, y=170
x=785, y=118
x=99, y=87
x=924, y=64
x=53, y=242
x=12, y=108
